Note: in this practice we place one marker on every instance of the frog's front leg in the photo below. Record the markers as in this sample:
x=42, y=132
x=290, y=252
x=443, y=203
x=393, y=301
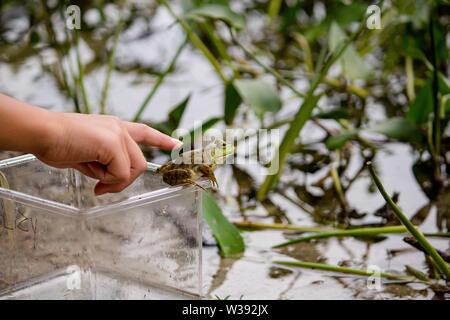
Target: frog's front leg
x=207, y=172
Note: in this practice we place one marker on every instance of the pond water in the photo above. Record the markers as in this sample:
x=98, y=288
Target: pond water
x=252, y=276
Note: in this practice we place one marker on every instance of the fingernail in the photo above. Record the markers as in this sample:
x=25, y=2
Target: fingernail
x=177, y=142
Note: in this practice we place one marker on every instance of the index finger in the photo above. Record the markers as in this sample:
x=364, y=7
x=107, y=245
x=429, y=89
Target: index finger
x=144, y=134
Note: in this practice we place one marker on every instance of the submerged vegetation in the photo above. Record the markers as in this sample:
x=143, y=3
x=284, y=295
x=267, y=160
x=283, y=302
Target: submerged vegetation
x=340, y=92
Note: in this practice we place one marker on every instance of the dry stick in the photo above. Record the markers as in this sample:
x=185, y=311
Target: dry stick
x=430, y=250
x=158, y=82
x=414, y=243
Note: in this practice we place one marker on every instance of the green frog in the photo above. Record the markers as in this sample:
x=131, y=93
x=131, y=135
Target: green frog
x=196, y=164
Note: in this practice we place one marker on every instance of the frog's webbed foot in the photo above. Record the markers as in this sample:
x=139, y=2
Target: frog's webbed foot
x=214, y=181
x=208, y=173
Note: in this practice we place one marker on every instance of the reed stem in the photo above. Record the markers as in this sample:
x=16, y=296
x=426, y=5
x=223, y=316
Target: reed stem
x=443, y=266
x=346, y=270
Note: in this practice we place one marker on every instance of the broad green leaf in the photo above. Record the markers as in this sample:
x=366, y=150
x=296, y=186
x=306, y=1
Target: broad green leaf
x=344, y=13
x=353, y=65
x=259, y=95
x=339, y=140
x=422, y=106
x=177, y=112
x=200, y=130
x=232, y=100
x=398, y=128
x=218, y=12
x=227, y=235
x=163, y=127
x=174, y=117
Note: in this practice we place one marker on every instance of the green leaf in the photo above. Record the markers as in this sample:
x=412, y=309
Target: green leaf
x=218, y=12
x=444, y=85
x=302, y=116
x=35, y=38
x=422, y=106
x=353, y=65
x=446, y=104
x=177, y=112
x=200, y=130
x=232, y=102
x=335, y=113
x=174, y=118
x=259, y=95
x=344, y=13
x=227, y=235
x=339, y=140
x=398, y=128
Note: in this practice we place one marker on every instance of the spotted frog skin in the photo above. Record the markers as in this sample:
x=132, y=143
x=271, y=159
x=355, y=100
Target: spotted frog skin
x=196, y=164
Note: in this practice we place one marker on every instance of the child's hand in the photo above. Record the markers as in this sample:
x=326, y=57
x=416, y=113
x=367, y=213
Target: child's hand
x=101, y=147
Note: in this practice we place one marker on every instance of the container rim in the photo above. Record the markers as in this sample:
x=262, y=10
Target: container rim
x=58, y=207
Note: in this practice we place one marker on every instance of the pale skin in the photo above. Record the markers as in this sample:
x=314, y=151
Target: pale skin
x=102, y=147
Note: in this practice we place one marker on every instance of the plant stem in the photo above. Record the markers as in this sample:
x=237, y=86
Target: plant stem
x=196, y=41
x=436, y=109
x=303, y=115
x=327, y=267
x=59, y=62
x=158, y=82
x=416, y=273
x=274, y=9
x=360, y=232
x=80, y=78
x=112, y=54
x=304, y=45
x=268, y=69
x=278, y=226
x=221, y=49
x=438, y=234
x=409, y=67
x=443, y=266
x=337, y=184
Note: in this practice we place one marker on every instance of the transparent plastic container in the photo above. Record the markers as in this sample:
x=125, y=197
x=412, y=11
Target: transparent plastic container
x=59, y=241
